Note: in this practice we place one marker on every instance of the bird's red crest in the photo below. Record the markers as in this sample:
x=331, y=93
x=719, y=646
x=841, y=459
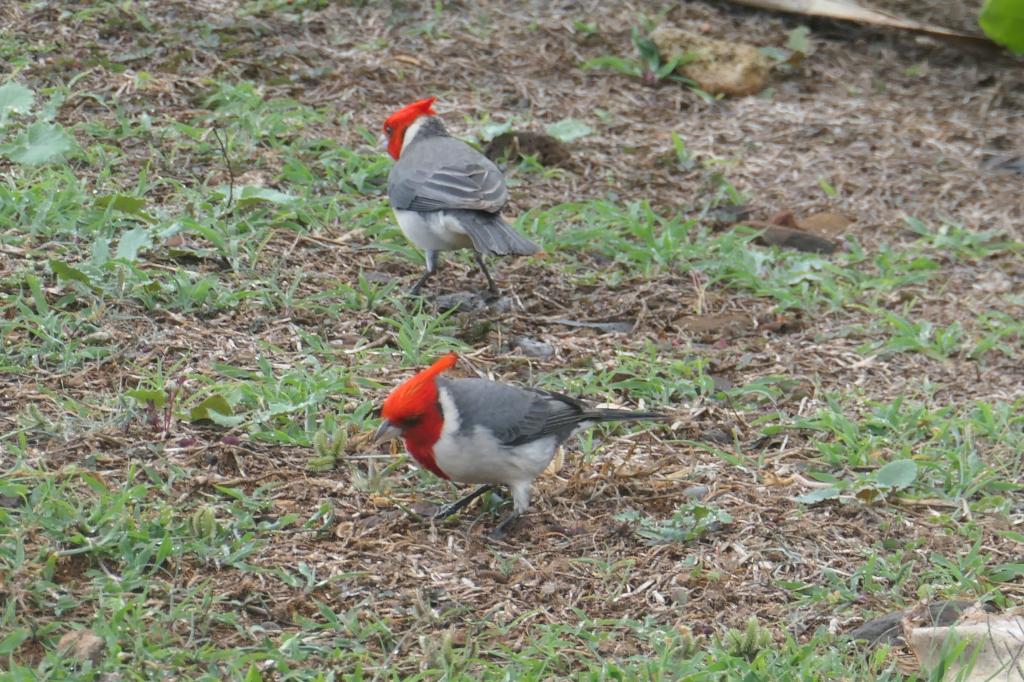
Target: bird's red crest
x=397, y=123
x=416, y=395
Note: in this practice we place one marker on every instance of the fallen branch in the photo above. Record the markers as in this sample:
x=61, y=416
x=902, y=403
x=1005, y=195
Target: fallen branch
x=850, y=11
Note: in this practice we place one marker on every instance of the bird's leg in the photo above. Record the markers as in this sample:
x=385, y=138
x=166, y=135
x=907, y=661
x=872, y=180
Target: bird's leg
x=491, y=286
x=431, y=269
x=521, y=502
x=461, y=503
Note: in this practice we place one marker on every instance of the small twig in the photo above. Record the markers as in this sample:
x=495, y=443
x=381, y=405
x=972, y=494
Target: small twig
x=13, y=251
x=345, y=237
x=227, y=163
x=806, y=482
x=379, y=341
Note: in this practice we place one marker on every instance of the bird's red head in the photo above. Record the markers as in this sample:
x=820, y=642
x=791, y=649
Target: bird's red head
x=412, y=410
x=416, y=396
x=397, y=123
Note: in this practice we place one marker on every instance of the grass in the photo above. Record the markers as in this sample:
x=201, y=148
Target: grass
x=191, y=324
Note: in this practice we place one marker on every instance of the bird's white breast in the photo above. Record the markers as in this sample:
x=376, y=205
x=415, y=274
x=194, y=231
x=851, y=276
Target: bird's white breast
x=433, y=230
x=476, y=456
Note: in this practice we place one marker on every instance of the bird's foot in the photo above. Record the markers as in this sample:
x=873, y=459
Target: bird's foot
x=415, y=291
x=445, y=510
x=499, y=531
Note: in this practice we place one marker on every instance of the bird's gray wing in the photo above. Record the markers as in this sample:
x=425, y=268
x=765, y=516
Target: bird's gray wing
x=439, y=173
x=514, y=415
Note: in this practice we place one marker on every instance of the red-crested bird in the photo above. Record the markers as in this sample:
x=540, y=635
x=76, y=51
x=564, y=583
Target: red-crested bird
x=481, y=431
x=445, y=194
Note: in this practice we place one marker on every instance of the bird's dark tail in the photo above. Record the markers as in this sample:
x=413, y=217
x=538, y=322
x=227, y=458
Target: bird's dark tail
x=622, y=415
x=492, y=236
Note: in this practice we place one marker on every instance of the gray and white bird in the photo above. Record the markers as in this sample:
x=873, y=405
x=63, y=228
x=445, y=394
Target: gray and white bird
x=480, y=431
x=445, y=194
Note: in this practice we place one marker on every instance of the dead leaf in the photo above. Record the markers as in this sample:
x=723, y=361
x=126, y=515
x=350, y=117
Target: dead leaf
x=381, y=501
x=717, y=66
x=709, y=327
x=556, y=463
x=788, y=237
x=996, y=648
x=825, y=224
x=252, y=178
x=82, y=645
x=514, y=145
x=11, y=501
x=887, y=629
x=785, y=217
x=770, y=478
x=408, y=59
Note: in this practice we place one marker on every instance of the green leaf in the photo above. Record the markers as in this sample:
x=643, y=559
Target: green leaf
x=609, y=61
x=211, y=234
x=818, y=495
x=1003, y=22
x=132, y=242
x=38, y=295
x=672, y=64
x=214, y=403
x=100, y=251
x=13, y=640
x=646, y=47
x=1004, y=573
x=166, y=548
x=231, y=492
x=227, y=421
x=126, y=204
x=492, y=129
x=248, y=196
x=145, y=396
x=22, y=490
x=569, y=129
x=94, y=483
x=897, y=474
x=1011, y=535
x=253, y=674
x=39, y=143
x=827, y=188
x=797, y=40
x=14, y=98
x=66, y=272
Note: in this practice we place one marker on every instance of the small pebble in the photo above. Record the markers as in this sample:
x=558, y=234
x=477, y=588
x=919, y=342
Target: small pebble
x=533, y=348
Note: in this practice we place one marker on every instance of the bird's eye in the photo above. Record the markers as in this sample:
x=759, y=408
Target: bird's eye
x=388, y=130
x=409, y=422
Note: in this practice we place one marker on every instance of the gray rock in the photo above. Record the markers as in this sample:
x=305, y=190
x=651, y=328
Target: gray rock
x=533, y=348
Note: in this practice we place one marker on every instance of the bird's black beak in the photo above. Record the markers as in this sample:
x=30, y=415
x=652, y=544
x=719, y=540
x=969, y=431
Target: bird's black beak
x=386, y=432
